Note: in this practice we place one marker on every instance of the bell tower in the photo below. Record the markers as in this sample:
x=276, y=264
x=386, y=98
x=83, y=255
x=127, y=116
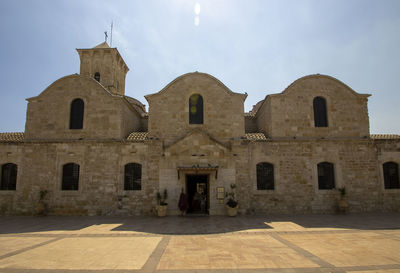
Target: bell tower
x=105, y=65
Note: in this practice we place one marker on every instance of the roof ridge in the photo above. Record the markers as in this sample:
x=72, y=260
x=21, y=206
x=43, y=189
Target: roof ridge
x=137, y=136
x=256, y=136
x=384, y=136
x=12, y=137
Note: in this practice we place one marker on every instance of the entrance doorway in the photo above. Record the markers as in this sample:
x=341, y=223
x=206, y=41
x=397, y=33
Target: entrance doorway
x=198, y=193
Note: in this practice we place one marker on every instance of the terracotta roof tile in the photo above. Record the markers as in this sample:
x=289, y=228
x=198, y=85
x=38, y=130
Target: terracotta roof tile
x=249, y=114
x=137, y=136
x=385, y=136
x=256, y=137
x=12, y=137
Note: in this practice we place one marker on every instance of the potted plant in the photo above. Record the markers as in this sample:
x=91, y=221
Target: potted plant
x=42, y=207
x=232, y=204
x=161, y=203
x=343, y=205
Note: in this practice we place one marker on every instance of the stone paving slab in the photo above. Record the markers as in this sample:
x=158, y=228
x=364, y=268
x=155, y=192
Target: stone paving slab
x=286, y=244
x=14, y=243
x=351, y=249
x=86, y=253
x=230, y=252
x=376, y=271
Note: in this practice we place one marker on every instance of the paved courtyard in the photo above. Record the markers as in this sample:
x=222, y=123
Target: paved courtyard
x=302, y=243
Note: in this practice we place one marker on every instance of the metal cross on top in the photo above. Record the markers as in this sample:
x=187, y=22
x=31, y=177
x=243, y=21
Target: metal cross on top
x=106, y=36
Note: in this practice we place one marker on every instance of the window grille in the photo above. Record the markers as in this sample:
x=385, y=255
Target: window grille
x=76, y=114
x=196, y=109
x=326, y=177
x=320, y=116
x=133, y=177
x=391, y=175
x=265, y=176
x=70, y=178
x=8, y=177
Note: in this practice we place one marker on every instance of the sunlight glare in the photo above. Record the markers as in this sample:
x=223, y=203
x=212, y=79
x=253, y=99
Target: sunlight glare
x=196, y=21
x=197, y=8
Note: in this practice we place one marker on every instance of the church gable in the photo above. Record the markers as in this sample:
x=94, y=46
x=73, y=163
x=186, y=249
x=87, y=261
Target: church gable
x=174, y=111
x=189, y=78
x=323, y=83
x=90, y=105
x=74, y=107
x=72, y=85
x=315, y=106
x=196, y=144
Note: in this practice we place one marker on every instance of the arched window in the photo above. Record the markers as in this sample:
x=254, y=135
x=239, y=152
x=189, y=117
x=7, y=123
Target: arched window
x=320, y=117
x=97, y=76
x=265, y=176
x=76, y=114
x=326, y=177
x=8, y=177
x=133, y=177
x=196, y=109
x=391, y=175
x=70, y=177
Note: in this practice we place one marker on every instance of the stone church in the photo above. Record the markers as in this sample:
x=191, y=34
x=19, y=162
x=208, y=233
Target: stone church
x=96, y=151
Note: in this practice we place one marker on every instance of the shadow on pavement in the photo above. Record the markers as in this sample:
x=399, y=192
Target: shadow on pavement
x=196, y=224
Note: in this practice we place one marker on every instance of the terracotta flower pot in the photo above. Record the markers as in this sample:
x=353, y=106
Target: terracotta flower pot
x=232, y=211
x=41, y=208
x=162, y=210
x=343, y=205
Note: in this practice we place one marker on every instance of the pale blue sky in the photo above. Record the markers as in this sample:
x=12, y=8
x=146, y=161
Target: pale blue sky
x=258, y=47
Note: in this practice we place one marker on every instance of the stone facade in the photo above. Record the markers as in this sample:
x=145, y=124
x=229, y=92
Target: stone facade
x=223, y=149
x=290, y=114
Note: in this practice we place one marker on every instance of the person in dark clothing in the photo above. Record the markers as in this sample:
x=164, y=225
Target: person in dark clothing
x=183, y=203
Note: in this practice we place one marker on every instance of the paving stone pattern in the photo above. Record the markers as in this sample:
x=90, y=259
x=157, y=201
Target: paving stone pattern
x=302, y=243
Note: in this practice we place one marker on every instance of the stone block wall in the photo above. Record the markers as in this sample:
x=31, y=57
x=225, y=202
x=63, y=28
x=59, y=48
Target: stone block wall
x=169, y=109
x=388, y=151
x=9, y=199
x=130, y=119
x=357, y=167
x=109, y=63
x=296, y=178
x=101, y=178
x=263, y=117
x=48, y=115
x=290, y=113
x=250, y=124
x=196, y=149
